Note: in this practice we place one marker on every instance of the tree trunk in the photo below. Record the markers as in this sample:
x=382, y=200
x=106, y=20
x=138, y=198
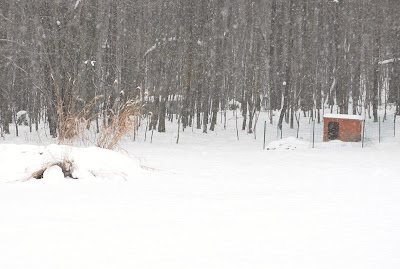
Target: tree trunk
x=288, y=75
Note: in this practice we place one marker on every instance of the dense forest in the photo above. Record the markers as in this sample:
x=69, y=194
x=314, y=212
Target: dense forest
x=188, y=60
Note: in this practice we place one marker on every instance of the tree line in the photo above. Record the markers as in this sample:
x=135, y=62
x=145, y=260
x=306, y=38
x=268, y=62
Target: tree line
x=188, y=60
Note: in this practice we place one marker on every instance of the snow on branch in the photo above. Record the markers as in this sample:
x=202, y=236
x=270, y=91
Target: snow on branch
x=160, y=42
x=150, y=49
x=77, y=4
x=389, y=61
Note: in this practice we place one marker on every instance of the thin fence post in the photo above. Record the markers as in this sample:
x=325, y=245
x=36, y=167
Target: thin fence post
x=313, y=134
x=265, y=131
x=237, y=130
x=394, y=126
x=145, y=132
x=379, y=121
x=277, y=132
x=363, y=135
x=281, y=131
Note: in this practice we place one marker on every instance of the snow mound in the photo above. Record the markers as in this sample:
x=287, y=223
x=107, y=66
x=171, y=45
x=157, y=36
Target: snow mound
x=287, y=143
x=91, y=163
x=53, y=173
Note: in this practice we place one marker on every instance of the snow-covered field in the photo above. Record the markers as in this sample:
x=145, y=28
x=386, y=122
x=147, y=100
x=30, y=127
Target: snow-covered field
x=209, y=202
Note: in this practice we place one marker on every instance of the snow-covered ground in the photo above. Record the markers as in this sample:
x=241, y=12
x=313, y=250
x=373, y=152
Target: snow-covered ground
x=211, y=201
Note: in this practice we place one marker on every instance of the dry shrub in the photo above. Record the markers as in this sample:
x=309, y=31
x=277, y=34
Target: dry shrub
x=121, y=123
x=73, y=125
x=117, y=123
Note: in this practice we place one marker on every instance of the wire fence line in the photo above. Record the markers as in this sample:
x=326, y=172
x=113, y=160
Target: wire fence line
x=312, y=132
x=381, y=131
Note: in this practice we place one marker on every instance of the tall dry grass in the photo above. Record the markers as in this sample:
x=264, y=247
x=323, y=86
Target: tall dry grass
x=121, y=124
x=73, y=124
x=117, y=123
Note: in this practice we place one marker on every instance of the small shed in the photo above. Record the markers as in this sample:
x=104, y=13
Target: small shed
x=342, y=127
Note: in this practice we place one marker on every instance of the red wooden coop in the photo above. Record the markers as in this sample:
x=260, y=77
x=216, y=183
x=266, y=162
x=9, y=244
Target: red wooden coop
x=342, y=127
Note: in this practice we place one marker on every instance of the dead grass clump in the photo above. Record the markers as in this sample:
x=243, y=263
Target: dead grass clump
x=120, y=124
x=67, y=166
x=73, y=125
x=117, y=123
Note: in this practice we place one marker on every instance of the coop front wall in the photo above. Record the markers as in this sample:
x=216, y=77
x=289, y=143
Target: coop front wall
x=349, y=130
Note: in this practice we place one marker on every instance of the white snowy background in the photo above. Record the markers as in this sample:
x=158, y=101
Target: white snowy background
x=211, y=201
